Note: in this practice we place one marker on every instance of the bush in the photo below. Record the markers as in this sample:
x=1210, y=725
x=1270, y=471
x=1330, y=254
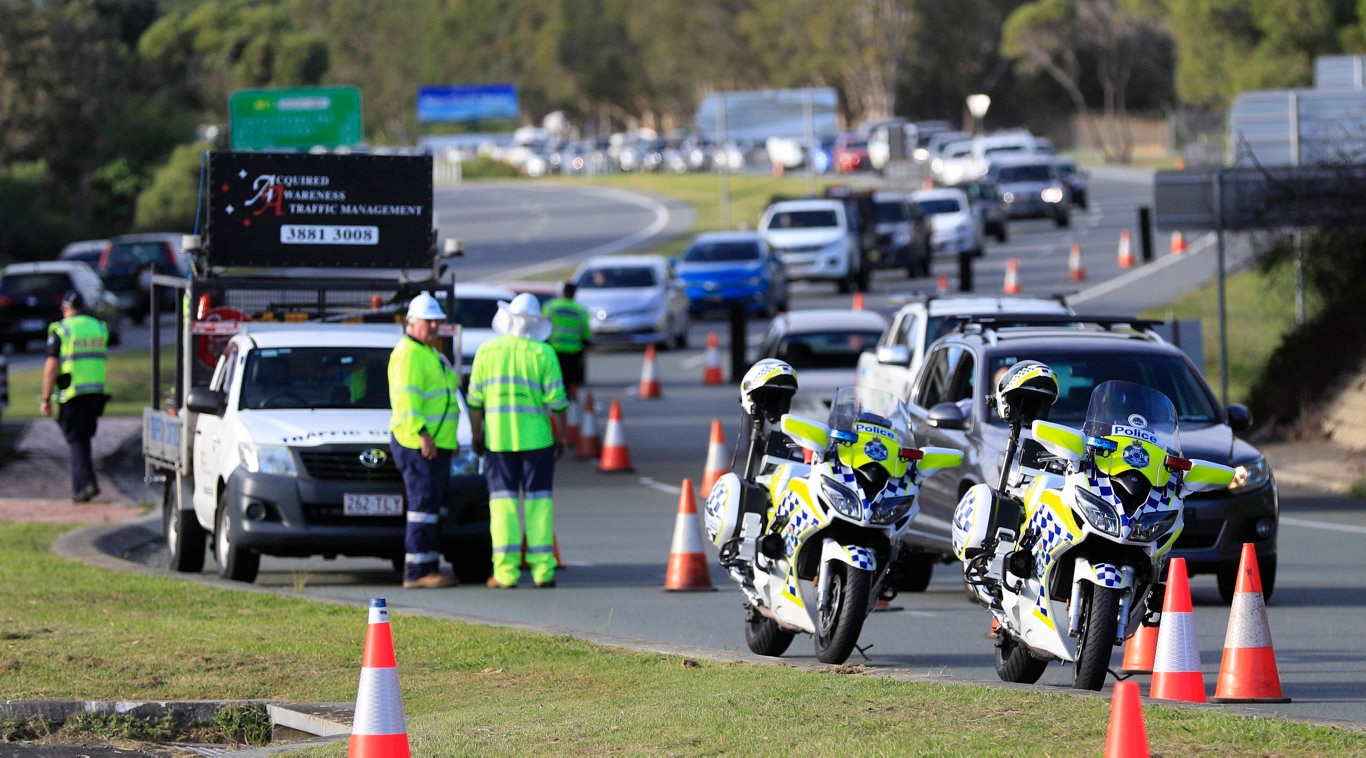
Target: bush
x=486, y=168
x=35, y=225
x=171, y=200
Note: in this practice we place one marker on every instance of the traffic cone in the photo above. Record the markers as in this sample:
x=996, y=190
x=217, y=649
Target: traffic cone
x=716, y=457
x=1247, y=673
x=572, y=418
x=1127, y=737
x=1176, y=663
x=590, y=445
x=687, y=561
x=1074, y=270
x=1140, y=650
x=378, y=727
x=858, y=301
x=649, y=377
x=942, y=285
x=615, y=456
x=1012, y=286
x=712, y=375
x=1178, y=246
x=1126, y=253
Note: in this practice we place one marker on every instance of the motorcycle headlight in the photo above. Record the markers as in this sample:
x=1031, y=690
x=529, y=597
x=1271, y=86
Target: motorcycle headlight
x=889, y=510
x=1153, y=525
x=1250, y=475
x=267, y=459
x=465, y=463
x=1099, y=513
x=842, y=498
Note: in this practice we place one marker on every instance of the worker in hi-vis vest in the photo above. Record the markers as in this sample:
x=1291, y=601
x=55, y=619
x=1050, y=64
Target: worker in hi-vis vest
x=77, y=348
x=569, y=335
x=517, y=417
x=423, y=393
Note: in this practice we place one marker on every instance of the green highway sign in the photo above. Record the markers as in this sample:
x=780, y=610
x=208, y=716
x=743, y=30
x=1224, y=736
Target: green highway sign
x=297, y=117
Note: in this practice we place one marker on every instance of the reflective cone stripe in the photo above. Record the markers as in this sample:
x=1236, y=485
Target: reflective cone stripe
x=1178, y=244
x=687, y=560
x=1074, y=270
x=1012, y=285
x=942, y=285
x=712, y=375
x=590, y=446
x=1247, y=672
x=649, y=376
x=716, y=457
x=1126, y=736
x=858, y=301
x=615, y=456
x=1126, y=253
x=573, y=417
x=1140, y=651
x=1176, y=663
x=378, y=727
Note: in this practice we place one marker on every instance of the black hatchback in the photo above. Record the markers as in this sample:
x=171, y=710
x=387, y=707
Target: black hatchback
x=31, y=297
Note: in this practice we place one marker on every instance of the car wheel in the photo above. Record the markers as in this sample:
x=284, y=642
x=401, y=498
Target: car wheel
x=235, y=562
x=916, y=570
x=1002, y=235
x=1227, y=578
x=1063, y=220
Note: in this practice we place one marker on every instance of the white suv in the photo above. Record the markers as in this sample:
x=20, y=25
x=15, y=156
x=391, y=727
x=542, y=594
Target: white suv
x=816, y=240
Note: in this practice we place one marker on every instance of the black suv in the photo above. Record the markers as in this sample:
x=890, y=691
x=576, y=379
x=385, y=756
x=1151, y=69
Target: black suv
x=127, y=264
x=948, y=408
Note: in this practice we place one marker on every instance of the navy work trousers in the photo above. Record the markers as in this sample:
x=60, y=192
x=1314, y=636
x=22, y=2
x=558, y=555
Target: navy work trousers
x=425, y=483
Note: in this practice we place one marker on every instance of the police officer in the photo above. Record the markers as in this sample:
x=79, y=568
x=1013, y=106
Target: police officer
x=569, y=335
x=77, y=347
x=423, y=388
x=517, y=415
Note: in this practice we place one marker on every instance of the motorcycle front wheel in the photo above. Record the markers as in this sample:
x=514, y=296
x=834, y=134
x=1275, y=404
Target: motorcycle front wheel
x=1099, y=624
x=764, y=636
x=1014, y=663
x=841, y=620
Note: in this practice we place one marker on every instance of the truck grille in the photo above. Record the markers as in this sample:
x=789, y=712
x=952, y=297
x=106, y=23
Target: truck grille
x=344, y=464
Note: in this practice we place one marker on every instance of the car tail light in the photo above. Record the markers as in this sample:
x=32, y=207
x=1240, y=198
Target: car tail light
x=4, y=301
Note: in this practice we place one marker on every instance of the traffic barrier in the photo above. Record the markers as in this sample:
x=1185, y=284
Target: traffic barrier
x=615, y=456
x=1178, y=244
x=716, y=457
x=1126, y=251
x=1247, y=672
x=1012, y=285
x=1126, y=736
x=649, y=377
x=942, y=285
x=590, y=445
x=858, y=301
x=572, y=418
x=378, y=727
x=687, y=561
x=1074, y=270
x=1176, y=664
x=1140, y=650
x=712, y=374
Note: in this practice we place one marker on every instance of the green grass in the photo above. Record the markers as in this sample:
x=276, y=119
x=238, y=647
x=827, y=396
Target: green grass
x=126, y=375
x=74, y=631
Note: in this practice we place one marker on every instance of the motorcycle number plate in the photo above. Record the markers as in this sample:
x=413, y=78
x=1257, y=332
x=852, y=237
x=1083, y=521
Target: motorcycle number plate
x=372, y=505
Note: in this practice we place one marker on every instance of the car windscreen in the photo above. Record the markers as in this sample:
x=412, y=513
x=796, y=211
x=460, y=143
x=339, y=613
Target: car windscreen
x=1079, y=373
x=316, y=377
x=1030, y=173
x=721, y=252
x=803, y=220
x=610, y=277
x=34, y=285
x=834, y=349
x=891, y=212
x=474, y=312
x=941, y=205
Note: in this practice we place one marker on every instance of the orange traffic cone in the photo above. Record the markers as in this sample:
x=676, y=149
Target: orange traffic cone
x=858, y=301
x=649, y=377
x=1127, y=737
x=378, y=727
x=716, y=457
x=712, y=375
x=572, y=418
x=1247, y=673
x=687, y=562
x=1140, y=650
x=1074, y=270
x=590, y=445
x=1178, y=246
x=615, y=456
x=1176, y=663
x=942, y=285
x=1126, y=253
x=1012, y=286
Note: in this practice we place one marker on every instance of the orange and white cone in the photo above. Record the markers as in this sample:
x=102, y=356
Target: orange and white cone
x=1247, y=672
x=1140, y=651
x=942, y=285
x=1176, y=663
x=716, y=457
x=572, y=418
x=589, y=445
x=378, y=728
x=687, y=561
x=712, y=375
x=615, y=456
x=1075, y=272
x=1012, y=285
x=858, y=301
x=649, y=377
x=1178, y=245
x=1126, y=251
x=1126, y=737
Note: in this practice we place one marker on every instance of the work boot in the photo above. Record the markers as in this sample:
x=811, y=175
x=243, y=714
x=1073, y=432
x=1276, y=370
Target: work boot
x=494, y=584
x=430, y=581
x=87, y=493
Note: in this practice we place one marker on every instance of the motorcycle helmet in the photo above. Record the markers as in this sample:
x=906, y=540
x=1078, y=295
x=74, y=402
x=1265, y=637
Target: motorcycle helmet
x=767, y=389
x=1026, y=391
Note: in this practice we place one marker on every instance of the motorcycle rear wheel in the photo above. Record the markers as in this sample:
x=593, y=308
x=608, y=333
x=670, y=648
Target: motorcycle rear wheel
x=764, y=636
x=1099, y=624
x=1014, y=662
x=839, y=624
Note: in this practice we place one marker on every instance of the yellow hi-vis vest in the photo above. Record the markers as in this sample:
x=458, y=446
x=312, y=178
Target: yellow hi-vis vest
x=568, y=325
x=84, y=347
x=517, y=383
x=423, y=389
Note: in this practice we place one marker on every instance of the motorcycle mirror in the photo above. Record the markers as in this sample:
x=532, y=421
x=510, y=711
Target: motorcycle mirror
x=1178, y=464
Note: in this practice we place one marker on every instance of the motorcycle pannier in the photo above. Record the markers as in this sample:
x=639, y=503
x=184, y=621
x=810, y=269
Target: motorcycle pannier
x=983, y=515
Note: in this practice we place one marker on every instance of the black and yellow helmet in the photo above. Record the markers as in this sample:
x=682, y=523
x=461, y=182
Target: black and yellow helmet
x=1026, y=391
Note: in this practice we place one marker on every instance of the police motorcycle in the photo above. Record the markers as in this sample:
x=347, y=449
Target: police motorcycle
x=1070, y=550
x=811, y=502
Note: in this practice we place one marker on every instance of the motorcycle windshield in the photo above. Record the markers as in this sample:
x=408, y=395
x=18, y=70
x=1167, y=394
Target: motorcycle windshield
x=1127, y=418
x=860, y=411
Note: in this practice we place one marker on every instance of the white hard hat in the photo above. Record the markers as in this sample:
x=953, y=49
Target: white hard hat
x=424, y=306
x=522, y=318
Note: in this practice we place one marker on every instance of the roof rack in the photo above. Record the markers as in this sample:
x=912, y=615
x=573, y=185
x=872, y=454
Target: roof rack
x=991, y=325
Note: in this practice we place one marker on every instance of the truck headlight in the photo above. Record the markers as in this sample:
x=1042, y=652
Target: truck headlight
x=1250, y=475
x=267, y=459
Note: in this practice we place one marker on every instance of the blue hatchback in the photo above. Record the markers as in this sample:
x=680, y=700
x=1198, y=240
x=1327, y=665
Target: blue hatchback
x=720, y=268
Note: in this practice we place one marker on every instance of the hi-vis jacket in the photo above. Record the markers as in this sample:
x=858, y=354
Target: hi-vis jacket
x=422, y=393
x=569, y=330
x=517, y=383
x=84, y=347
